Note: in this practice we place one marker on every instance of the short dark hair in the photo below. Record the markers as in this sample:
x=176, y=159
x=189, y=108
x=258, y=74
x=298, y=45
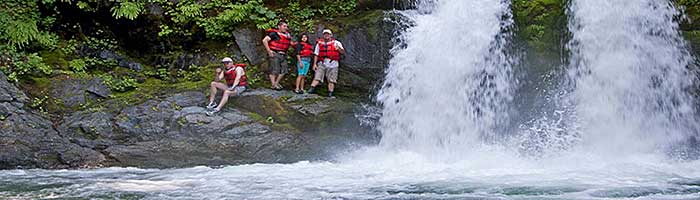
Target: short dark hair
x=281, y=22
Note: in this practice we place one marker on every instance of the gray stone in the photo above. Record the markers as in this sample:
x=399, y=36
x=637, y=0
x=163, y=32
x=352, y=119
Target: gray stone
x=97, y=87
x=367, y=42
x=145, y=120
x=29, y=140
x=8, y=92
x=89, y=125
x=250, y=43
x=73, y=92
x=185, y=99
x=192, y=120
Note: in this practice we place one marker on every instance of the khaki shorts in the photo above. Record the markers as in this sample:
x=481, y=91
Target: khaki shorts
x=278, y=64
x=329, y=73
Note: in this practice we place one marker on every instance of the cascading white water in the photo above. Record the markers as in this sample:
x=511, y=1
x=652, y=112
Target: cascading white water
x=629, y=69
x=447, y=89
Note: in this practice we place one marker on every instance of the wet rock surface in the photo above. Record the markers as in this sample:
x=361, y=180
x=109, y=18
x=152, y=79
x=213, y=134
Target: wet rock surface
x=262, y=126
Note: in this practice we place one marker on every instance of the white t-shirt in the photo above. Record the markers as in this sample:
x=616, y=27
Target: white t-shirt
x=328, y=62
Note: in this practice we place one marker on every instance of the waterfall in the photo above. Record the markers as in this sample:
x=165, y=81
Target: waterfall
x=630, y=72
x=448, y=87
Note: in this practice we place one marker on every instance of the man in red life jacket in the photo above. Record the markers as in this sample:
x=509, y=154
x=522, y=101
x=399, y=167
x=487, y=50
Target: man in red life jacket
x=236, y=83
x=328, y=51
x=276, y=42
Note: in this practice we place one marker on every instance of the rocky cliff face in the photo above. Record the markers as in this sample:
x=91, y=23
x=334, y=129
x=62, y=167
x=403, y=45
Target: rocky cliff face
x=29, y=140
x=173, y=131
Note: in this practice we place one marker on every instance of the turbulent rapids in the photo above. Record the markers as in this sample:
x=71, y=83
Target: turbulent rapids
x=618, y=125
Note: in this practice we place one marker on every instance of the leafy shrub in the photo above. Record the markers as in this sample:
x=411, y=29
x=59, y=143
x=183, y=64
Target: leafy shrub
x=120, y=85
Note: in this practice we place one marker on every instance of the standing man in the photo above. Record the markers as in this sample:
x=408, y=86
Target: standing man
x=276, y=42
x=328, y=51
x=236, y=83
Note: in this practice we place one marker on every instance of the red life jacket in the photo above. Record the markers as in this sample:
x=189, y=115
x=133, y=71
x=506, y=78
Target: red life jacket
x=306, y=50
x=282, y=44
x=327, y=50
x=230, y=76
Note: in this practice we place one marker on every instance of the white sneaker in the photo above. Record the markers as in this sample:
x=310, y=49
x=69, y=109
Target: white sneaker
x=211, y=105
x=212, y=112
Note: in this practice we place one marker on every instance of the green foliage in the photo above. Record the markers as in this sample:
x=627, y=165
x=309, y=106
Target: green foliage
x=21, y=19
x=78, y=65
x=689, y=2
x=23, y=28
x=126, y=9
x=193, y=73
x=119, y=84
x=302, y=16
x=540, y=23
x=38, y=102
x=691, y=9
x=220, y=19
x=20, y=64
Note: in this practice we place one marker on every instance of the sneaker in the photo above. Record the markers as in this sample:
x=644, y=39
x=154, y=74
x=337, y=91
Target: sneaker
x=330, y=95
x=299, y=91
x=311, y=90
x=211, y=105
x=212, y=112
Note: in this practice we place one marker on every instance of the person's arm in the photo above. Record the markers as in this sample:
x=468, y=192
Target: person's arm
x=298, y=53
x=217, y=75
x=267, y=46
x=316, y=50
x=221, y=76
x=239, y=73
x=339, y=46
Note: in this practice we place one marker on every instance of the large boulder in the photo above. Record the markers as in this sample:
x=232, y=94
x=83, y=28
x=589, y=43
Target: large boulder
x=73, y=92
x=249, y=42
x=29, y=140
x=368, y=38
x=175, y=132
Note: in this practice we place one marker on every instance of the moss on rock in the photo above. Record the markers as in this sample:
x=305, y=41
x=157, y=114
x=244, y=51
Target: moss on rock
x=542, y=24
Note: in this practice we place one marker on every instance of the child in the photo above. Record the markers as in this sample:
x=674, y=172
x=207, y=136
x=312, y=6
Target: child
x=305, y=52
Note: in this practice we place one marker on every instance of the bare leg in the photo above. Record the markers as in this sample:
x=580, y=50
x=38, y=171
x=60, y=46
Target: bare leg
x=298, y=83
x=314, y=83
x=301, y=82
x=273, y=80
x=279, y=79
x=224, y=98
x=331, y=86
x=214, y=86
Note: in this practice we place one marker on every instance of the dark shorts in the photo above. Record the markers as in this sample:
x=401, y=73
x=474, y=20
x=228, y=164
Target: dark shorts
x=278, y=64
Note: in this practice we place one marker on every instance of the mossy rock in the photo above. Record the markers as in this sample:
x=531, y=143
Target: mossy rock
x=541, y=24
x=693, y=38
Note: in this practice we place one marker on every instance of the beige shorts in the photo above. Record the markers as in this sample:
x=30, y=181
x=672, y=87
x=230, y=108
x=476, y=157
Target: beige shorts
x=329, y=73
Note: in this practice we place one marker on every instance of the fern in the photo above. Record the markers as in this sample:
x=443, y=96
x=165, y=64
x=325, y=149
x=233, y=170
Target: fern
x=129, y=10
x=19, y=33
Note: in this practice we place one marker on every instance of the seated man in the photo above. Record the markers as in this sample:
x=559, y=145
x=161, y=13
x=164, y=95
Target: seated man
x=236, y=82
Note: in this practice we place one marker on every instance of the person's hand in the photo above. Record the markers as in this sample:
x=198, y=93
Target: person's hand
x=271, y=53
x=218, y=70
